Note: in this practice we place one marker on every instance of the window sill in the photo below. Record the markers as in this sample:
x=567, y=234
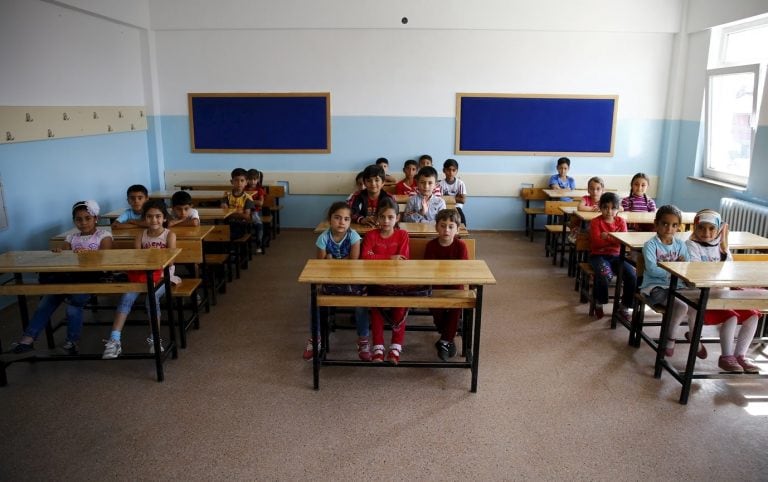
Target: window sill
x=713, y=182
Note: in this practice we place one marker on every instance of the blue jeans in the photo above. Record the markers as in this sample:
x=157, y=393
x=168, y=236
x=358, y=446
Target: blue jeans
x=127, y=300
x=48, y=305
x=606, y=266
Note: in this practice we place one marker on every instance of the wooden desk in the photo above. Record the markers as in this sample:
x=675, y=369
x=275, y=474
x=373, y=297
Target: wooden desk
x=123, y=238
x=474, y=273
x=631, y=217
x=207, y=215
x=561, y=193
x=20, y=262
x=197, y=196
x=275, y=190
x=704, y=276
x=415, y=230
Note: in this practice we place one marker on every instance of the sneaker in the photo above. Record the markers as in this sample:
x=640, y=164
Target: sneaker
x=445, y=349
x=393, y=356
x=19, y=348
x=363, y=349
x=729, y=364
x=599, y=312
x=747, y=364
x=70, y=348
x=151, y=344
x=259, y=251
x=112, y=349
x=702, y=353
x=624, y=314
x=377, y=355
x=307, y=355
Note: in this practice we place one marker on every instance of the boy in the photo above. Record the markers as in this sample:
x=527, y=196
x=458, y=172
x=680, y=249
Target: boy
x=131, y=218
x=446, y=246
x=453, y=186
x=365, y=202
x=359, y=185
x=239, y=200
x=425, y=160
x=423, y=207
x=561, y=180
x=182, y=212
x=383, y=163
x=257, y=193
x=664, y=247
x=407, y=186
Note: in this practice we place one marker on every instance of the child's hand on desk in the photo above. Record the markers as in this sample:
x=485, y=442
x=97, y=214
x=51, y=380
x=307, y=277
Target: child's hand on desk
x=56, y=250
x=398, y=257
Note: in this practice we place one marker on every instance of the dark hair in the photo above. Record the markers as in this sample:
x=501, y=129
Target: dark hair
x=448, y=215
x=450, y=163
x=254, y=174
x=427, y=171
x=564, y=160
x=382, y=160
x=596, y=179
x=410, y=162
x=387, y=203
x=639, y=175
x=668, y=209
x=425, y=156
x=609, y=198
x=337, y=206
x=137, y=188
x=360, y=176
x=181, y=198
x=237, y=172
x=158, y=204
x=373, y=171
x=78, y=206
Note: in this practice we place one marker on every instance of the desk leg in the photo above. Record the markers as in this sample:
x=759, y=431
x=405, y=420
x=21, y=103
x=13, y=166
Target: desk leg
x=617, y=291
x=695, y=337
x=664, y=333
x=171, y=315
x=313, y=327
x=154, y=323
x=476, y=337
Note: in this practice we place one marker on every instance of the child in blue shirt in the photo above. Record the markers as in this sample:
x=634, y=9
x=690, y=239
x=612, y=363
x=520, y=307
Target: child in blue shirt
x=424, y=206
x=132, y=217
x=664, y=247
x=562, y=180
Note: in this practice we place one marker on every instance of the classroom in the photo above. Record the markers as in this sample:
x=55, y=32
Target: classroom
x=393, y=70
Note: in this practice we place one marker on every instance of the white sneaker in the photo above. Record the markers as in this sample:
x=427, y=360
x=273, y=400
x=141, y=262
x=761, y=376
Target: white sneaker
x=151, y=344
x=112, y=350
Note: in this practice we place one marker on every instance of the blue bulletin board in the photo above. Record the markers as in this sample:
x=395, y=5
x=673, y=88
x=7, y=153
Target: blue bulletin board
x=260, y=122
x=521, y=124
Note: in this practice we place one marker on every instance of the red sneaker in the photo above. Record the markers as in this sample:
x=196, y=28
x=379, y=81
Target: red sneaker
x=393, y=356
x=747, y=364
x=363, y=349
x=702, y=353
x=378, y=354
x=599, y=312
x=729, y=364
x=307, y=355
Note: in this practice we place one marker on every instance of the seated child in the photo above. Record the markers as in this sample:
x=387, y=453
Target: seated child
x=131, y=217
x=664, y=247
x=339, y=241
x=387, y=242
x=423, y=207
x=425, y=160
x=255, y=189
x=561, y=180
x=239, y=200
x=453, y=186
x=359, y=186
x=447, y=245
x=588, y=203
x=604, y=256
x=709, y=242
x=85, y=215
x=365, y=203
x=383, y=163
x=182, y=212
x=638, y=201
x=407, y=186
x=156, y=236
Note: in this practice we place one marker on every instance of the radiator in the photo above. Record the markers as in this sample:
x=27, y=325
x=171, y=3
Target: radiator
x=744, y=216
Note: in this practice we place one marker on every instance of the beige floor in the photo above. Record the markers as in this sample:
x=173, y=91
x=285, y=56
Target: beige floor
x=560, y=396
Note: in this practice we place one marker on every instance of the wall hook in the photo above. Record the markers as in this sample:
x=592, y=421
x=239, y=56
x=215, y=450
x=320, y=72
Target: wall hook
x=29, y=118
x=65, y=116
x=95, y=115
x=50, y=133
x=109, y=128
x=133, y=128
x=119, y=114
x=9, y=136
x=141, y=113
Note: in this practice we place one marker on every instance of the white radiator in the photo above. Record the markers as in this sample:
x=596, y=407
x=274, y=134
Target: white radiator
x=744, y=216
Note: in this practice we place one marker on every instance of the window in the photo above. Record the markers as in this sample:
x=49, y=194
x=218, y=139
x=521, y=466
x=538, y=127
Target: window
x=732, y=99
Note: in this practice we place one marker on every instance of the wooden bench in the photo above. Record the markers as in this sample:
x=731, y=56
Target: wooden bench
x=556, y=231
x=275, y=192
x=528, y=194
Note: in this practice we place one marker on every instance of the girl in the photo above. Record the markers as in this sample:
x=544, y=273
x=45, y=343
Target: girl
x=387, y=242
x=341, y=242
x=638, y=201
x=664, y=247
x=604, y=256
x=590, y=202
x=709, y=242
x=156, y=236
x=85, y=215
